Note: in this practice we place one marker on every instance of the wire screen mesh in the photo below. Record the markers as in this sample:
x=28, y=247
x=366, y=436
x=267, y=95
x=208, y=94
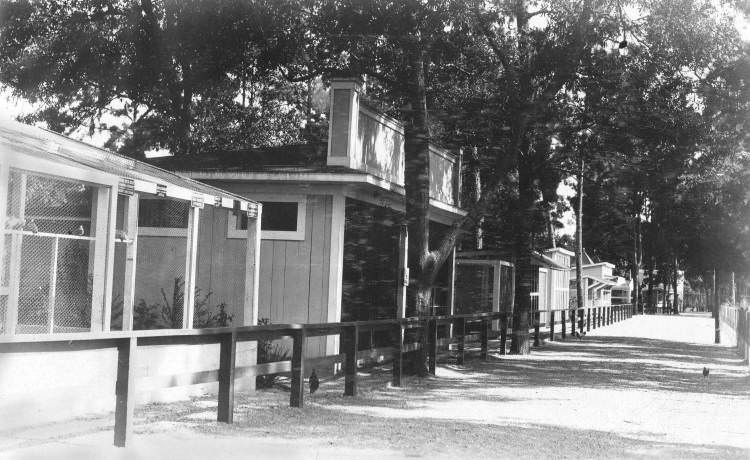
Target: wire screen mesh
x=4, y=279
x=3, y=312
x=506, y=288
x=160, y=263
x=220, y=269
x=474, y=288
x=49, y=252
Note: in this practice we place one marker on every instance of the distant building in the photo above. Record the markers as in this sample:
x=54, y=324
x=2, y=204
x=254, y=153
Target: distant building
x=485, y=281
x=600, y=286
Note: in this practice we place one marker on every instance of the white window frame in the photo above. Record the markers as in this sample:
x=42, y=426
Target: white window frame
x=162, y=231
x=297, y=235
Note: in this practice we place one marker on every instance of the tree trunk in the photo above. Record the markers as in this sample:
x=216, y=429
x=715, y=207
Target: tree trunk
x=579, y=237
x=651, y=298
x=527, y=201
x=476, y=175
x=417, y=188
x=637, y=256
x=550, y=228
x=715, y=311
x=712, y=295
x=676, y=303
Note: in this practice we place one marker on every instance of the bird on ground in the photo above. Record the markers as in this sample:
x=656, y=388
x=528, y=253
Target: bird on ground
x=31, y=226
x=314, y=382
x=78, y=232
x=705, y=377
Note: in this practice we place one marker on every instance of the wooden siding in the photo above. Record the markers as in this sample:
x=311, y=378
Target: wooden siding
x=340, y=123
x=293, y=284
x=220, y=266
x=381, y=146
x=294, y=274
x=442, y=176
x=367, y=140
x=221, y=262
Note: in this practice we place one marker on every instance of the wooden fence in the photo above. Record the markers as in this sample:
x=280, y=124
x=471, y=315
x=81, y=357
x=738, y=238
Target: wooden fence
x=738, y=320
x=580, y=320
x=127, y=342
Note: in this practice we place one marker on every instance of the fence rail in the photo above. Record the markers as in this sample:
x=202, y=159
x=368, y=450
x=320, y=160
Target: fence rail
x=127, y=342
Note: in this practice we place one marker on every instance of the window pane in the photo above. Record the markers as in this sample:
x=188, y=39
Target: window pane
x=163, y=213
x=279, y=216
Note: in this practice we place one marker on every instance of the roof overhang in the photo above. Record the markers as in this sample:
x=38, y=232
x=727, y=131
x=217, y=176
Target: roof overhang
x=300, y=175
x=20, y=139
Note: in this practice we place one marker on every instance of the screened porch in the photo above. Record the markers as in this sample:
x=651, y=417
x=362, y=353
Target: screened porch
x=92, y=241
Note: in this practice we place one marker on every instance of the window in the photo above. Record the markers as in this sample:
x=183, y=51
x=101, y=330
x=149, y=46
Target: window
x=283, y=218
x=163, y=217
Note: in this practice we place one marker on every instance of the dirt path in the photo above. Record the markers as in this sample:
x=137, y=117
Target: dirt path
x=631, y=390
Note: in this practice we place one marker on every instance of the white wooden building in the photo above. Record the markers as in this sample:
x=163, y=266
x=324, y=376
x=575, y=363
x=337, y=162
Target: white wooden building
x=93, y=242
x=332, y=243
x=485, y=281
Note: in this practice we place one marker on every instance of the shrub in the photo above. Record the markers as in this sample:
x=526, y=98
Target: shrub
x=269, y=352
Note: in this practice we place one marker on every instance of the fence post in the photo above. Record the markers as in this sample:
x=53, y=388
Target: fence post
x=432, y=344
x=573, y=322
x=461, y=334
x=297, y=397
x=398, y=344
x=350, y=341
x=503, y=332
x=536, y=327
x=484, y=338
x=563, y=320
x=551, y=325
x=227, y=353
x=125, y=390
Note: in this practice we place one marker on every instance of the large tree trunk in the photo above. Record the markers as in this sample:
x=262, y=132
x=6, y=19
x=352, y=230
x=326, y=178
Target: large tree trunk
x=527, y=201
x=417, y=187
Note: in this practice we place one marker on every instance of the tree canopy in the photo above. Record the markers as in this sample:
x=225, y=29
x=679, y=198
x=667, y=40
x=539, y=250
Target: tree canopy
x=538, y=89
